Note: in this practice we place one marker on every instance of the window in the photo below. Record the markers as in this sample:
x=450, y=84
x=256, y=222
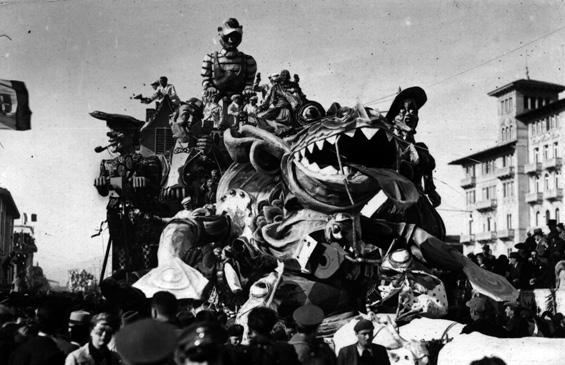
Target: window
x=546, y=152
x=557, y=218
x=546, y=182
x=537, y=218
x=470, y=170
x=536, y=154
x=470, y=197
x=508, y=189
x=547, y=216
x=489, y=224
x=510, y=132
x=555, y=149
x=538, y=184
x=510, y=105
x=508, y=221
x=547, y=124
x=164, y=140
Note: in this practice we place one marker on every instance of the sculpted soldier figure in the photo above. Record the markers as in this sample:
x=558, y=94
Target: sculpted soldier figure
x=133, y=183
x=228, y=71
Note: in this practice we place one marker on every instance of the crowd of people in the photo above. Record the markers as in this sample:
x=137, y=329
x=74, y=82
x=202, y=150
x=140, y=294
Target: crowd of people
x=65, y=329
x=536, y=263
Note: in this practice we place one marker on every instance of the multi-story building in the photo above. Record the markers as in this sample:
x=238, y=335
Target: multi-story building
x=8, y=213
x=508, y=184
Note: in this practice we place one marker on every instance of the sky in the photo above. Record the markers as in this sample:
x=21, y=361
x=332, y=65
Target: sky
x=76, y=56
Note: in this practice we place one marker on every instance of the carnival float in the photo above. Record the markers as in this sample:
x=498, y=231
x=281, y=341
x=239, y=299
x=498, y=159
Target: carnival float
x=334, y=207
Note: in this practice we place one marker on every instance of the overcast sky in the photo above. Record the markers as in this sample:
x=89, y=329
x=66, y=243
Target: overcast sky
x=77, y=56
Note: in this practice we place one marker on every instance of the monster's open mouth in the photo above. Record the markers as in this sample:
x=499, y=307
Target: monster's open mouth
x=332, y=158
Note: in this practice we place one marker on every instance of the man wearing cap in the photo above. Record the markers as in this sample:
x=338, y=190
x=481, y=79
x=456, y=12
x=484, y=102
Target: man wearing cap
x=146, y=342
x=310, y=350
x=79, y=328
x=515, y=324
x=483, y=317
x=364, y=352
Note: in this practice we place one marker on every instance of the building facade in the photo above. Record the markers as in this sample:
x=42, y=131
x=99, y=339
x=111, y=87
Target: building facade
x=511, y=184
x=8, y=213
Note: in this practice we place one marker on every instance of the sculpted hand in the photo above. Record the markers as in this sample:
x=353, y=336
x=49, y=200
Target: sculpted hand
x=139, y=182
x=211, y=92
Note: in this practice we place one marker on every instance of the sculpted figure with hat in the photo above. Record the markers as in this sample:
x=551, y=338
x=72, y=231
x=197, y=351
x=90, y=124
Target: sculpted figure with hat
x=132, y=182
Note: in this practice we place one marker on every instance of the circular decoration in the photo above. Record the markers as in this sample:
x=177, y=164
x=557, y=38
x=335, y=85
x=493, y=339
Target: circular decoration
x=309, y=112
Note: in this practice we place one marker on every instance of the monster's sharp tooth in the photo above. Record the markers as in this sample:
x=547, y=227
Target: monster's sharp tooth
x=314, y=167
x=303, y=152
x=346, y=170
x=297, y=156
x=310, y=147
x=350, y=133
x=329, y=170
x=320, y=144
x=331, y=140
x=369, y=132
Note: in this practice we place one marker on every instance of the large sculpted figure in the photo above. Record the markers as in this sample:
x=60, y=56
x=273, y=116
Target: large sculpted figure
x=132, y=183
x=307, y=192
x=228, y=71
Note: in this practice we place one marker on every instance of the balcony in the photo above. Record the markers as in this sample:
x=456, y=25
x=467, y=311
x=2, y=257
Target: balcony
x=553, y=194
x=486, y=236
x=505, y=234
x=552, y=163
x=468, y=182
x=532, y=198
x=466, y=238
x=504, y=172
x=532, y=168
x=485, y=204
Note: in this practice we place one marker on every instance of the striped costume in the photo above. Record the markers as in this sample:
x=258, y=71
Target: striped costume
x=230, y=72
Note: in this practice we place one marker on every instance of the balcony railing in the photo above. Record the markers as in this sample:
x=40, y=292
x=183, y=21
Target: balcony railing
x=466, y=238
x=505, y=233
x=505, y=172
x=552, y=163
x=468, y=181
x=553, y=194
x=532, y=198
x=485, y=236
x=485, y=204
x=532, y=168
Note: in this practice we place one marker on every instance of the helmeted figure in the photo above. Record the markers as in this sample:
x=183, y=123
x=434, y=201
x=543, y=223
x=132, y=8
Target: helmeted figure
x=228, y=71
x=133, y=183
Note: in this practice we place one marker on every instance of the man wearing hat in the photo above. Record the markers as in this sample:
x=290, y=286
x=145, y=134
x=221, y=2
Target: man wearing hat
x=310, y=350
x=228, y=71
x=146, y=341
x=163, y=88
x=416, y=162
x=515, y=324
x=79, y=328
x=483, y=317
x=364, y=351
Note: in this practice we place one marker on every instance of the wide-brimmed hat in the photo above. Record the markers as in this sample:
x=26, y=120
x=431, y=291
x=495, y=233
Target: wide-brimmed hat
x=415, y=92
x=146, y=341
x=230, y=25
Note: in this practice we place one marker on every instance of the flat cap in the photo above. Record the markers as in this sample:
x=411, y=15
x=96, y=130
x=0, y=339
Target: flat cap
x=363, y=325
x=308, y=315
x=146, y=341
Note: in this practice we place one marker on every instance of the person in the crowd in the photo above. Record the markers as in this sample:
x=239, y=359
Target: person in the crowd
x=489, y=361
x=235, y=334
x=560, y=275
x=227, y=280
x=539, y=274
x=501, y=265
x=488, y=257
x=556, y=245
x=163, y=89
x=147, y=341
x=234, y=110
x=517, y=271
x=482, y=315
x=364, y=351
x=251, y=110
x=79, y=328
x=530, y=242
x=310, y=349
x=515, y=324
x=96, y=352
x=263, y=350
x=541, y=243
x=203, y=343
x=42, y=349
x=164, y=306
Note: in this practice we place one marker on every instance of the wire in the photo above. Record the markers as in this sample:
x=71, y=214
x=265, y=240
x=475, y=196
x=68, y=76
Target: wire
x=545, y=35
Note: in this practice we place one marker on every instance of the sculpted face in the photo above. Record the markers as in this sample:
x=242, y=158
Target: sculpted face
x=409, y=113
x=325, y=159
x=123, y=142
